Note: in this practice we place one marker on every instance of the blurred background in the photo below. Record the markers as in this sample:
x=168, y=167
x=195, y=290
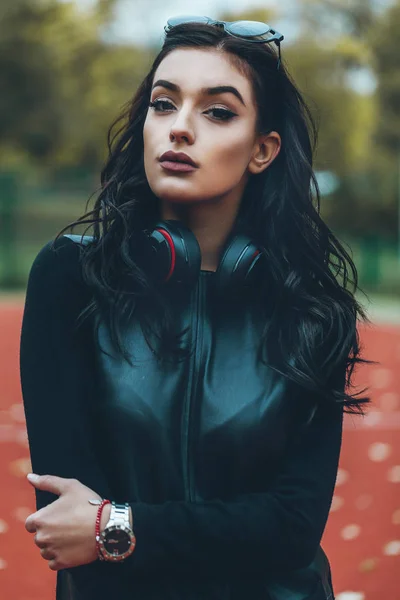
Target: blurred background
x=66, y=69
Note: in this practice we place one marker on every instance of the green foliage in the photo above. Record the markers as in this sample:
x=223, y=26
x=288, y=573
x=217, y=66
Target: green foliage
x=343, y=115
x=265, y=15
x=359, y=132
x=63, y=84
x=385, y=42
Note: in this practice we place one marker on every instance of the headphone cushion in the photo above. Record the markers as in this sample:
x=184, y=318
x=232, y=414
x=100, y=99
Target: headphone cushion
x=238, y=262
x=177, y=250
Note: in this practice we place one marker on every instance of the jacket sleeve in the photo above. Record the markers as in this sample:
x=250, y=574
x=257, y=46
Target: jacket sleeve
x=55, y=370
x=257, y=533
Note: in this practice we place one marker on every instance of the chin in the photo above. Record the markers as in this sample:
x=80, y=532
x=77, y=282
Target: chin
x=174, y=195
x=180, y=199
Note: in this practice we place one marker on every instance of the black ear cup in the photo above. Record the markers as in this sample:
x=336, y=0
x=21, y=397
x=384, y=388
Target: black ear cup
x=240, y=264
x=176, y=255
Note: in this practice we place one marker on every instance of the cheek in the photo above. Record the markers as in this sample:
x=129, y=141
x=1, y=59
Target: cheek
x=228, y=160
x=149, y=146
x=147, y=140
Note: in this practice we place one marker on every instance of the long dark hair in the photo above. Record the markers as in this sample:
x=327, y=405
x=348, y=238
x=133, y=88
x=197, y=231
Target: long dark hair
x=310, y=334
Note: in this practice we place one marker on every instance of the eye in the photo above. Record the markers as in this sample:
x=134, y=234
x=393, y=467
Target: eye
x=161, y=105
x=218, y=113
x=221, y=114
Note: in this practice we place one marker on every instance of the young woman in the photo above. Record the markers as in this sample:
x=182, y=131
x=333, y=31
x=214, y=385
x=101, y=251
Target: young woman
x=189, y=361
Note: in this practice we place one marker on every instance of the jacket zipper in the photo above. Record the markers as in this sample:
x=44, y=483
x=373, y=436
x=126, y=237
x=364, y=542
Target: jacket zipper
x=197, y=324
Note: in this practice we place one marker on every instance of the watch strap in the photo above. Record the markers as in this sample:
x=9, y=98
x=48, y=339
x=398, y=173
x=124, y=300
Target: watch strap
x=119, y=515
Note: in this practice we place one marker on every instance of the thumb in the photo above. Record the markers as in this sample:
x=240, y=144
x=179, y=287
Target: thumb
x=48, y=483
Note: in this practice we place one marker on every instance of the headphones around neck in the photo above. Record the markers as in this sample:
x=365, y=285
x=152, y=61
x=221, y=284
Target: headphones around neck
x=175, y=255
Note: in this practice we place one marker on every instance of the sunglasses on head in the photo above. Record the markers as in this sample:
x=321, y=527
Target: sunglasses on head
x=252, y=31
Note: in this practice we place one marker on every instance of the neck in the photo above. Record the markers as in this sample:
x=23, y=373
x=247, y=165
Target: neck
x=211, y=223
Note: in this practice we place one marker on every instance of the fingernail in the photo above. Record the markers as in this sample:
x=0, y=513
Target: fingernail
x=32, y=477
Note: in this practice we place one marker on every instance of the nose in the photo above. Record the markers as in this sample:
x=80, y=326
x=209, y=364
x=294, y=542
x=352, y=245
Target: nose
x=181, y=130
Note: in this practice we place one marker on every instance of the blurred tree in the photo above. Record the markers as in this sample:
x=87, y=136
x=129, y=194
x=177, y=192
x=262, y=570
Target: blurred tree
x=345, y=117
x=353, y=17
x=353, y=31
x=61, y=82
x=385, y=162
x=265, y=15
x=385, y=41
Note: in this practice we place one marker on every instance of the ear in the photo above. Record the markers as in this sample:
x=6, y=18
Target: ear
x=266, y=149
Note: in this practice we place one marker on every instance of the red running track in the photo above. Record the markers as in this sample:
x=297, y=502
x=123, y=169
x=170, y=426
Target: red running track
x=362, y=537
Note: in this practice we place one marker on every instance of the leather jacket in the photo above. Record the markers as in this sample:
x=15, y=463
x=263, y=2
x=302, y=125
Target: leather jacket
x=229, y=480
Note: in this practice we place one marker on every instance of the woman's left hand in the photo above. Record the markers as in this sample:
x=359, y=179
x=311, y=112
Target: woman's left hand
x=65, y=529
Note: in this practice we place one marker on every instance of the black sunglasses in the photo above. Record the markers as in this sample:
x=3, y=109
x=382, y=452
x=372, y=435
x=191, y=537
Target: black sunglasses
x=252, y=31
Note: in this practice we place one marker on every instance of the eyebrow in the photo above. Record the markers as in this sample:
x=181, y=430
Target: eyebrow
x=211, y=91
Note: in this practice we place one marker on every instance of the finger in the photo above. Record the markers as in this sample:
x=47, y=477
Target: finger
x=35, y=520
x=40, y=543
x=53, y=565
x=47, y=554
x=49, y=483
x=30, y=524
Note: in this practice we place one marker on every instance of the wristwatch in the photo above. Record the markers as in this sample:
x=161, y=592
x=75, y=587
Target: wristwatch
x=117, y=540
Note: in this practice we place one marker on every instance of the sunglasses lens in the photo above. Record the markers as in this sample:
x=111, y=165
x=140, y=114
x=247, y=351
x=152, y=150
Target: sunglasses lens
x=248, y=28
x=173, y=21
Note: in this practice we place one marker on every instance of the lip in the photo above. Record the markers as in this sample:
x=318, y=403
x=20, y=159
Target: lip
x=177, y=167
x=179, y=158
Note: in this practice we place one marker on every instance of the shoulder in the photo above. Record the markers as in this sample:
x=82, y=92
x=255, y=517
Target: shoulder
x=56, y=277
x=58, y=259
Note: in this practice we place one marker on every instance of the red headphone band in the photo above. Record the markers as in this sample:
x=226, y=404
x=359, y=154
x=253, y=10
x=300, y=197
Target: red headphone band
x=171, y=245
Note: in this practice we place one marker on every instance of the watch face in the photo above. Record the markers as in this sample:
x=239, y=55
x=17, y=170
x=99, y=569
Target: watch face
x=116, y=541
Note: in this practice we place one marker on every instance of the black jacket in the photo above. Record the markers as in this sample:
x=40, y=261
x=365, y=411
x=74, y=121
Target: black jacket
x=229, y=486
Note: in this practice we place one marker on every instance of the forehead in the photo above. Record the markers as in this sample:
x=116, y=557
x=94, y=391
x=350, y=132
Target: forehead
x=193, y=69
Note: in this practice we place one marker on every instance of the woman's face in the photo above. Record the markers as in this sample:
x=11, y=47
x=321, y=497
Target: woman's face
x=215, y=128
